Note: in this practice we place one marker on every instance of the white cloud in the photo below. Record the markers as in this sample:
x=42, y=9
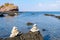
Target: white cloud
x=50, y=6
x=57, y=1
x=55, y=6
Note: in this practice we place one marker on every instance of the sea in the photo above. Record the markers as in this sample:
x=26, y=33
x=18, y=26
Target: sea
x=49, y=26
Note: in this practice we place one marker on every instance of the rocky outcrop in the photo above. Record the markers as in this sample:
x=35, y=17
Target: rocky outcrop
x=9, y=9
x=49, y=15
x=33, y=34
x=29, y=23
x=57, y=17
x=52, y=15
x=28, y=36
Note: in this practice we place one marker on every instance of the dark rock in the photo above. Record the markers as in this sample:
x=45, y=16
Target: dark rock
x=29, y=23
x=52, y=15
x=43, y=29
x=33, y=13
x=33, y=36
x=1, y=15
x=14, y=38
x=27, y=36
x=11, y=14
x=49, y=15
x=36, y=35
x=57, y=17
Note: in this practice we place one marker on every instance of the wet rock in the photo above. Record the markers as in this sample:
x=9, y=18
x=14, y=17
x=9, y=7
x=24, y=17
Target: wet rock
x=1, y=15
x=52, y=15
x=29, y=23
x=49, y=15
x=11, y=14
x=43, y=29
x=57, y=17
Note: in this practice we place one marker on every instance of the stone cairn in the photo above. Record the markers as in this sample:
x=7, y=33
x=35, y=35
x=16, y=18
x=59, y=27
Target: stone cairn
x=33, y=34
x=14, y=32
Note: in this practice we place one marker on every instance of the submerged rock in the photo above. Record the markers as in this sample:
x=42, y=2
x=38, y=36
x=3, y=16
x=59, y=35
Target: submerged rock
x=43, y=29
x=29, y=23
x=49, y=15
x=52, y=15
x=57, y=17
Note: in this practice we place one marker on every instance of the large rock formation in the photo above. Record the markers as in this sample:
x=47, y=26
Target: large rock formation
x=9, y=9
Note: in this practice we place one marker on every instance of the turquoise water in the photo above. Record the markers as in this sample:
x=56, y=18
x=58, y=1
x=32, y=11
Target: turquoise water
x=50, y=24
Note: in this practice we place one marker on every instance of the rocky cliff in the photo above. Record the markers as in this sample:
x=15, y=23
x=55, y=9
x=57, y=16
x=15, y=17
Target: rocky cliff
x=8, y=7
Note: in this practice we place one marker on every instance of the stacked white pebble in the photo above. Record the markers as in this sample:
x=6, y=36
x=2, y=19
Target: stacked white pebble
x=34, y=28
x=14, y=32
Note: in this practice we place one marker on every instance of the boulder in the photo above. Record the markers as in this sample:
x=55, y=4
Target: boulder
x=33, y=36
x=29, y=23
x=9, y=9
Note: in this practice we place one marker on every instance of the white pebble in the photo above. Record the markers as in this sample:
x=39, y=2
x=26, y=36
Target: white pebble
x=14, y=32
x=34, y=28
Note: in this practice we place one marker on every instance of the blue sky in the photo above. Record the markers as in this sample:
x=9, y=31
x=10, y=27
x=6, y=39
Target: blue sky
x=35, y=5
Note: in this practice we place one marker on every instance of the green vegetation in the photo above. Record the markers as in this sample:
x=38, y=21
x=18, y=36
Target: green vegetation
x=1, y=6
